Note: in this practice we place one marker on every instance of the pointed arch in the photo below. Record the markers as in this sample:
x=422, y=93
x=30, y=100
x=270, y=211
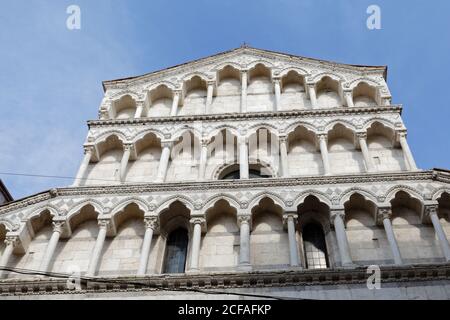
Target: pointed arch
x=97, y=205
x=321, y=196
x=186, y=201
x=277, y=199
x=142, y=204
x=413, y=193
x=368, y=195
x=232, y=201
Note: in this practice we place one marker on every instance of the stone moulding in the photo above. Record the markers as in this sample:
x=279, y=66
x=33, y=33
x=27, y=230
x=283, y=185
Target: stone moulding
x=226, y=185
x=226, y=280
x=252, y=115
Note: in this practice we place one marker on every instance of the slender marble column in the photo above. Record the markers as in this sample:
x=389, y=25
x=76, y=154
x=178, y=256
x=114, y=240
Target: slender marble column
x=151, y=223
x=312, y=94
x=209, y=97
x=203, y=159
x=124, y=162
x=139, y=110
x=196, y=240
x=277, y=86
x=243, y=158
x=349, y=99
x=341, y=236
x=244, y=91
x=362, y=138
x=175, y=101
x=244, y=250
x=324, y=153
x=284, y=157
x=431, y=211
x=88, y=151
x=53, y=242
x=10, y=242
x=164, y=160
x=405, y=147
x=98, y=247
x=289, y=219
x=386, y=215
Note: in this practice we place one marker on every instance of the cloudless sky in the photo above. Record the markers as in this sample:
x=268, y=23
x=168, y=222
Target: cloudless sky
x=50, y=77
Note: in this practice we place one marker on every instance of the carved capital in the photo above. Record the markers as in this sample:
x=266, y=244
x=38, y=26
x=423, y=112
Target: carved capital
x=337, y=214
x=88, y=149
x=12, y=240
x=128, y=147
x=402, y=133
x=151, y=222
x=197, y=220
x=431, y=210
x=104, y=223
x=289, y=215
x=166, y=144
x=384, y=213
x=361, y=135
x=322, y=136
x=244, y=219
x=58, y=226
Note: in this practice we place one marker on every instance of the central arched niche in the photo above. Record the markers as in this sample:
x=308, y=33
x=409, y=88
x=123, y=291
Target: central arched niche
x=106, y=170
x=228, y=93
x=269, y=244
x=121, y=253
x=293, y=94
x=220, y=245
x=416, y=240
x=343, y=155
x=173, y=219
x=260, y=92
x=145, y=167
x=304, y=157
x=327, y=91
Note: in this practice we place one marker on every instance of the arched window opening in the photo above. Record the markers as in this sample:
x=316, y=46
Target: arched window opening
x=176, y=251
x=315, y=247
x=254, y=172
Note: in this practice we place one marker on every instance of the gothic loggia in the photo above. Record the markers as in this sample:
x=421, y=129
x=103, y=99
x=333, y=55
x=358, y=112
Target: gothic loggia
x=248, y=171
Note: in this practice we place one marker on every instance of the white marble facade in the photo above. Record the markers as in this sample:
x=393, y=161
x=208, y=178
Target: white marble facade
x=328, y=139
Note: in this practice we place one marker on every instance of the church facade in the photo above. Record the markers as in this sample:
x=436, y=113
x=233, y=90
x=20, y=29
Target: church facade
x=246, y=172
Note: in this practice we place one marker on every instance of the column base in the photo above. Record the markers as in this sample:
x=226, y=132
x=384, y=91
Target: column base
x=244, y=267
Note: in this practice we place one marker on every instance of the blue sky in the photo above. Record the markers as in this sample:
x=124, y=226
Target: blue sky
x=50, y=77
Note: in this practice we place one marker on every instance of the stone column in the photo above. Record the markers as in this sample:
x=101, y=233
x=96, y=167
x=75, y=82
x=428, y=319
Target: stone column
x=151, y=223
x=203, y=159
x=139, y=109
x=209, y=97
x=124, y=162
x=386, y=215
x=407, y=152
x=431, y=211
x=10, y=242
x=362, y=138
x=53, y=242
x=244, y=239
x=284, y=157
x=98, y=247
x=88, y=151
x=243, y=157
x=324, y=152
x=175, y=101
x=312, y=94
x=290, y=219
x=348, y=95
x=277, y=87
x=196, y=240
x=164, y=160
x=244, y=91
x=337, y=217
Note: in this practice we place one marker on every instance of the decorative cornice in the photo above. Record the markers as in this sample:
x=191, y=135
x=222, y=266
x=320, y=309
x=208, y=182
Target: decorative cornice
x=227, y=185
x=249, y=115
x=224, y=280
